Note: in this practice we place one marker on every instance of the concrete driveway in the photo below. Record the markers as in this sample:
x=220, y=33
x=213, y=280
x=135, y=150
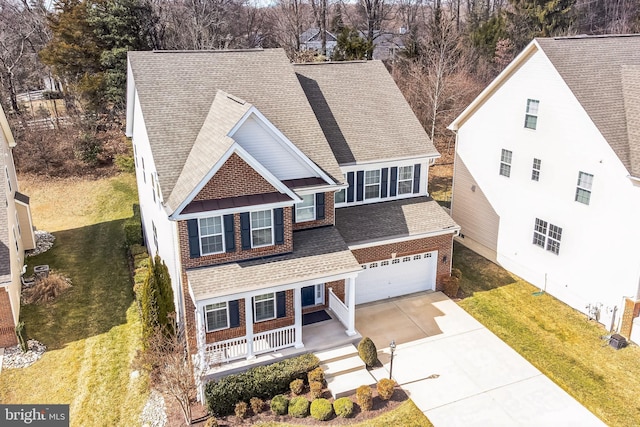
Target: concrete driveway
x=458, y=372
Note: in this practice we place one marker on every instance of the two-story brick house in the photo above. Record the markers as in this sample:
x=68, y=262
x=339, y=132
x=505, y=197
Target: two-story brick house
x=272, y=190
x=16, y=235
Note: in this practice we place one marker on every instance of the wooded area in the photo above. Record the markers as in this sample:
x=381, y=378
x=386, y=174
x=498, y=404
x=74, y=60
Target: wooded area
x=74, y=56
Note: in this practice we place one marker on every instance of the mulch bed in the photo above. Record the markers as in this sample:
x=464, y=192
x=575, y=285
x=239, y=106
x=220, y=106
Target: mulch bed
x=380, y=406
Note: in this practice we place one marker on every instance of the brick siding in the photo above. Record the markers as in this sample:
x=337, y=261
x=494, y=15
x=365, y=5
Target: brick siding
x=7, y=327
x=443, y=244
x=329, y=215
x=235, y=178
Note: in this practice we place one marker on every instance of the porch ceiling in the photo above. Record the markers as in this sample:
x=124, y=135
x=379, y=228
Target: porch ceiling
x=318, y=253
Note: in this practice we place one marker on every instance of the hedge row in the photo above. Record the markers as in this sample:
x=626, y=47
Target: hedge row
x=262, y=381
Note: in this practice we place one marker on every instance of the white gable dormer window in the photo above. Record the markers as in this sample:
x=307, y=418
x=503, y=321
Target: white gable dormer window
x=531, y=116
x=261, y=228
x=372, y=184
x=505, y=163
x=211, y=239
x=405, y=180
x=583, y=190
x=306, y=211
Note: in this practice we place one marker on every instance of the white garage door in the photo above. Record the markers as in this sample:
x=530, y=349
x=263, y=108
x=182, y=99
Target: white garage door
x=394, y=277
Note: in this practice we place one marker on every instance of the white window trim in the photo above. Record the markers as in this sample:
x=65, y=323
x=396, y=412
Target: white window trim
x=535, y=170
x=529, y=114
x=410, y=180
x=312, y=207
x=200, y=236
x=365, y=185
x=584, y=188
x=255, y=303
x=504, y=162
x=206, y=312
x=251, y=229
x=546, y=237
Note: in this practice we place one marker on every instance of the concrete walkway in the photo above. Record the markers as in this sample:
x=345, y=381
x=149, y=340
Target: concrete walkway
x=463, y=375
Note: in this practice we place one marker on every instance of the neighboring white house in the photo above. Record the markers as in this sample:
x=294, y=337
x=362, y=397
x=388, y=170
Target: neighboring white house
x=547, y=173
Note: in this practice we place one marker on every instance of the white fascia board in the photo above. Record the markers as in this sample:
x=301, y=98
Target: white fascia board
x=385, y=163
x=634, y=179
x=290, y=146
x=513, y=66
x=251, y=161
x=370, y=244
x=221, y=212
x=6, y=130
x=312, y=189
x=275, y=288
x=131, y=100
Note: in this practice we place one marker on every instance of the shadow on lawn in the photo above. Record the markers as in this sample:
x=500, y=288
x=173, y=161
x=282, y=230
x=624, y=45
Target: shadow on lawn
x=94, y=258
x=478, y=273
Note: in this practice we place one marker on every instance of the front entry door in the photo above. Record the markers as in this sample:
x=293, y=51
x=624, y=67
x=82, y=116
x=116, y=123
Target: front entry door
x=312, y=295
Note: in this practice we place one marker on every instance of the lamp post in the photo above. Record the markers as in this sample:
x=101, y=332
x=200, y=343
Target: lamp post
x=392, y=346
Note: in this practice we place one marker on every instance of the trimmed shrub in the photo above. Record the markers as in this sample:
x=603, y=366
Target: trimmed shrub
x=365, y=400
x=241, y=410
x=451, y=284
x=257, y=405
x=316, y=389
x=316, y=375
x=385, y=388
x=299, y=407
x=368, y=352
x=279, y=405
x=211, y=422
x=343, y=407
x=297, y=386
x=321, y=409
x=261, y=381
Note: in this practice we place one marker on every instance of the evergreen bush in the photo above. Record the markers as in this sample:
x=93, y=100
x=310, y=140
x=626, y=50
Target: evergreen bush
x=321, y=409
x=299, y=407
x=316, y=389
x=279, y=405
x=365, y=400
x=257, y=405
x=343, y=407
x=316, y=375
x=385, y=388
x=368, y=352
x=240, y=410
x=297, y=386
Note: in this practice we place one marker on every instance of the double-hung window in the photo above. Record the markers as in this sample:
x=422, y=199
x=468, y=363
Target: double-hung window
x=306, y=211
x=216, y=316
x=211, y=241
x=372, y=184
x=405, y=180
x=547, y=236
x=505, y=163
x=264, y=307
x=341, y=196
x=540, y=233
x=583, y=190
x=261, y=228
x=531, y=117
x=535, y=172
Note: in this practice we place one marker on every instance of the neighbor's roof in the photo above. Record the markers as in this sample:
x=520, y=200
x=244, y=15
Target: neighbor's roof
x=177, y=89
x=394, y=219
x=602, y=73
x=318, y=253
x=362, y=112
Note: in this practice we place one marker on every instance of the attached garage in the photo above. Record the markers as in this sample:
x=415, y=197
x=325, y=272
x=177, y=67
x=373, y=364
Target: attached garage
x=395, y=277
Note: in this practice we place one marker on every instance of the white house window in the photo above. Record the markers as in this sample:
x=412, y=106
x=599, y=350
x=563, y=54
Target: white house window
x=144, y=174
x=211, y=241
x=405, y=180
x=18, y=224
x=265, y=307
x=216, y=316
x=583, y=191
x=372, y=184
x=535, y=172
x=15, y=240
x=155, y=234
x=531, y=117
x=341, y=196
x=6, y=172
x=547, y=234
x=505, y=163
x=153, y=186
x=261, y=228
x=306, y=211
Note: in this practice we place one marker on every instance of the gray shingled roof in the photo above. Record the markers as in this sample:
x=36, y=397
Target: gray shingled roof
x=5, y=261
x=317, y=253
x=362, y=112
x=177, y=90
x=387, y=220
x=592, y=67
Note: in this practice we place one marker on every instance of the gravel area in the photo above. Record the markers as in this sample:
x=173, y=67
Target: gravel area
x=44, y=242
x=14, y=358
x=154, y=414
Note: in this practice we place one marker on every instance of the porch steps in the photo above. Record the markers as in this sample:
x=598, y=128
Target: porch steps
x=344, y=371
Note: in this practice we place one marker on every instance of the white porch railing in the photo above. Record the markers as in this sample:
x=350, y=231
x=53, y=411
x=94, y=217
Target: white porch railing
x=338, y=308
x=236, y=348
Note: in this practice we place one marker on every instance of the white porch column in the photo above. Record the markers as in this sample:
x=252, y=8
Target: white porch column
x=201, y=365
x=297, y=309
x=350, y=294
x=248, y=319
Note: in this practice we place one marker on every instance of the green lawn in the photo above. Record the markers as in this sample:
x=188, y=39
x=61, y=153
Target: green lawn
x=555, y=338
x=93, y=330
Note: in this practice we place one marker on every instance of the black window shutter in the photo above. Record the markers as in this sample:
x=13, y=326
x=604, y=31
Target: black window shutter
x=293, y=214
x=319, y=205
x=383, y=182
x=279, y=225
x=416, y=178
x=394, y=181
x=194, y=238
x=229, y=235
x=351, y=182
x=360, y=186
x=281, y=304
x=245, y=230
x=234, y=314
